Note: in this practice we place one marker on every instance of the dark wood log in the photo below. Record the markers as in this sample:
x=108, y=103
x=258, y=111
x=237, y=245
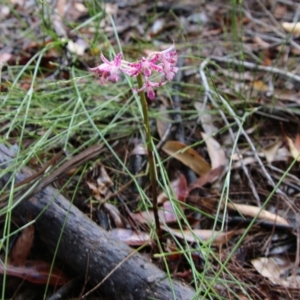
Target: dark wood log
x=87, y=248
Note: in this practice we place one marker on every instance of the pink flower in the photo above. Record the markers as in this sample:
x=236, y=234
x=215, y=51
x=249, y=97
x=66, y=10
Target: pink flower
x=109, y=70
x=145, y=66
x=149, y=88
x=132, y=69
x=163, y=62
x=148, y=65
x=169, y=59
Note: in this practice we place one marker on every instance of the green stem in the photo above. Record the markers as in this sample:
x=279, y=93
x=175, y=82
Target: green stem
x=151, y=161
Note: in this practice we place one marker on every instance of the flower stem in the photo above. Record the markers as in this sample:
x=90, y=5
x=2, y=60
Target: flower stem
x=152, y=168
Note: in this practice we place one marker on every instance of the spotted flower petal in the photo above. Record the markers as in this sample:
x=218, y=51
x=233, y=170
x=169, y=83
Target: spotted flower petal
x=169, y=59
x=149, y=88
x=109, y=70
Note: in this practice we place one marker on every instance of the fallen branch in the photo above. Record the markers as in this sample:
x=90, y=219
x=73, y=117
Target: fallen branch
x=85, y=247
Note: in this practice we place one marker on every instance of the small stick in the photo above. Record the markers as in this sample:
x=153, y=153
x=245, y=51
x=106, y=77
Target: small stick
x=253, y=66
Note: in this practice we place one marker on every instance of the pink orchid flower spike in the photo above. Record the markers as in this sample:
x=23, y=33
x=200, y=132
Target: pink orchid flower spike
x=163, y=62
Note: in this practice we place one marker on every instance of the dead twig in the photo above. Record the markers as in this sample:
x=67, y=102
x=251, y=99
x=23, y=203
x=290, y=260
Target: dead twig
x=253, y=66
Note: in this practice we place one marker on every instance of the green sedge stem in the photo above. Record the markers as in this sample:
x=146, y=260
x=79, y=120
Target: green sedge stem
x=152, y=168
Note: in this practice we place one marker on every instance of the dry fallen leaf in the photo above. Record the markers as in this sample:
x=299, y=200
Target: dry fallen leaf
x=294, y=147
x=4, y=11
x=271, y=150
x=180, y=189
x=187, y=156
x=4, y=57
x=21, y=249
x=143, y=217
x=260, y=42
x=266, y=267
x=293, y=28
x=131, y=237
x=157, y=27
x=99, y=182
x=139, y=149
x=210, y=177
x=206, y=118
x=217, y=238
x=254, y=211
x=78, y=47
x=37, y=272
x=215, y=151
x=279, y=10
x=60, y=7
x=260, y=86
x=115, y=214
x=81, y=7
x=271, y=268
x=166, y=214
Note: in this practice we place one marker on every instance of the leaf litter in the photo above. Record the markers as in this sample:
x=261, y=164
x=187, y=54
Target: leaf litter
x=34, y=271
x=256, y=75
